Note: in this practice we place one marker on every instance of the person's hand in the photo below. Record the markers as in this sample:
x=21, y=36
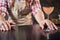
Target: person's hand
x=4, y=25
x=12, y=23
x=49, y=24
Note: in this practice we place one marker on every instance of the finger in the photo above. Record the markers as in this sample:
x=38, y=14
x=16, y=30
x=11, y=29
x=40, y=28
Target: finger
x=12, y=22
x=5, y=26
x=41, y=26
x=0, y=28
x=9, y=26
x=52, y=27
x=55, y=26
x=51, y=23
x=3, y=29
x=0, y=25
x=48, y=25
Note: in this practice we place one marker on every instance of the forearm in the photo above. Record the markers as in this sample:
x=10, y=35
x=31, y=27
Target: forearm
x=39, y=17
x=38, y=14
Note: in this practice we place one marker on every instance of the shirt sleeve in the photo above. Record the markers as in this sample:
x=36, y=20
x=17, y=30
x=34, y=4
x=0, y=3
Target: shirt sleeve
x=3, y=8
x=36, y=8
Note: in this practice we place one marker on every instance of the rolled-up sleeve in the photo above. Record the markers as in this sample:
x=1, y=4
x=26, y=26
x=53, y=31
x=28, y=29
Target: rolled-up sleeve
x=36, y=8
x=3, y=7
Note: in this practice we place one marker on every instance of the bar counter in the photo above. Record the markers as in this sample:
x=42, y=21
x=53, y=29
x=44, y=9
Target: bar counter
x=21, y=35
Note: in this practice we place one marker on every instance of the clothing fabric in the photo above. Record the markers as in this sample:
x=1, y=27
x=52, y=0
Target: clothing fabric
x=37, y=11
x=24, y=22
x=22, y=19
x=36, y=8
x=4, y=5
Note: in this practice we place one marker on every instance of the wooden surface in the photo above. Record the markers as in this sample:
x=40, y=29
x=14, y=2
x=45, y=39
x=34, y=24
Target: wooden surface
x=20, y=34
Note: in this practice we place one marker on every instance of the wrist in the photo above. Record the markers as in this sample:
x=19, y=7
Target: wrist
x=2, y=18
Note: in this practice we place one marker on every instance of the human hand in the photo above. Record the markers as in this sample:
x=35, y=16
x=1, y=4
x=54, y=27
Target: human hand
x=49, y=24
x=5, y=26
x=12, y=23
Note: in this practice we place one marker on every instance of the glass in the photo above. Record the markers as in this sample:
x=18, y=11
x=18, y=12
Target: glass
x=48, y=11
x=47, y=31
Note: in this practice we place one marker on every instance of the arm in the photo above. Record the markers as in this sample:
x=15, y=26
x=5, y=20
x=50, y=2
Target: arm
x=5, y=26
x=39, y=16
x=37, y=12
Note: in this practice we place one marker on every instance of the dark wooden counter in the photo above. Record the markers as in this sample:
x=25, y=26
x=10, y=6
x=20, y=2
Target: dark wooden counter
x=21, y=35
x=17, y=33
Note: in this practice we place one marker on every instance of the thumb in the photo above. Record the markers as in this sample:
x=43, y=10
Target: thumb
x=41, y=26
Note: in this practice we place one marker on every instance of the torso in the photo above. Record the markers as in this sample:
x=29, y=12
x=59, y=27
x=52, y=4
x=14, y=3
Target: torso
x=23, y=19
